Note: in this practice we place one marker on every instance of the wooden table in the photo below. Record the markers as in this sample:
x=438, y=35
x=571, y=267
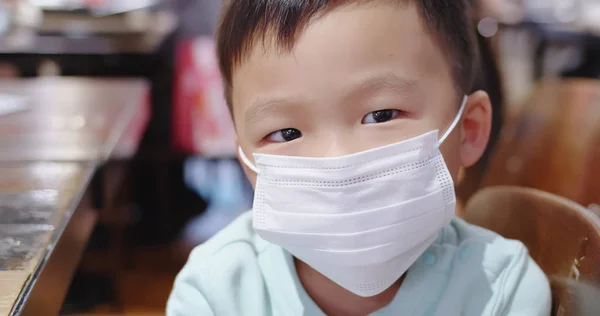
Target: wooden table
x=74, y=119
x=37, y=203
x=107, y=34
x=48, y=156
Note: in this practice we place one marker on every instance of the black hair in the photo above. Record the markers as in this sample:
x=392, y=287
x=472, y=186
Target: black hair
x=244, y=22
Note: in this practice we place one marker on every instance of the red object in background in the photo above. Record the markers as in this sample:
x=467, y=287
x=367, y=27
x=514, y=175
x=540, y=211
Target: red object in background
x=94, y=3
x=201, y=120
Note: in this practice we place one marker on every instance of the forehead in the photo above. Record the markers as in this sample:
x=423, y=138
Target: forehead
x=339, y=50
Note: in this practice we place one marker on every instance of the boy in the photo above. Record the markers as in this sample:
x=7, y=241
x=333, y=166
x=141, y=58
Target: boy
x=352, y=124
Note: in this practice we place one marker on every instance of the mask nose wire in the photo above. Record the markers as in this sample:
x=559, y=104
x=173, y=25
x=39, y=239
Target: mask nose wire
x=454, y=123
x=247, y=161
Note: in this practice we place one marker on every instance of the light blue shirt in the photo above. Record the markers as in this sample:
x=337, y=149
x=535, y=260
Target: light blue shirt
x=468, y=271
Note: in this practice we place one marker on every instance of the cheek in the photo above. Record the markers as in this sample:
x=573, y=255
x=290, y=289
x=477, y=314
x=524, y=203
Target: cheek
x=252, y=180
x=250, y=175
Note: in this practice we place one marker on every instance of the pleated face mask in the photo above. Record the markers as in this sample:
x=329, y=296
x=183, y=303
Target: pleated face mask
x=362, y=219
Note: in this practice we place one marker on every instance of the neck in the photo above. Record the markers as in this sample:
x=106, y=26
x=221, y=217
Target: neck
x=334, y=300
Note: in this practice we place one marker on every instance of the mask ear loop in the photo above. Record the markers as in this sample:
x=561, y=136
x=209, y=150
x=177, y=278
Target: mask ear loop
x=247, y=161
x=454, y=123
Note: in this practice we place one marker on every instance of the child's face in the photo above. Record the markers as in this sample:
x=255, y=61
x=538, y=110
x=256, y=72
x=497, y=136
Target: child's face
x=360, y=77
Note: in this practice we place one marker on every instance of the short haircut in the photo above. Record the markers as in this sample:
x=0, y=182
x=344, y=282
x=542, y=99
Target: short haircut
x=245, y=22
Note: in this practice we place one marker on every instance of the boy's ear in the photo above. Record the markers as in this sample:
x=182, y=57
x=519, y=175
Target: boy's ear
x=476, y=127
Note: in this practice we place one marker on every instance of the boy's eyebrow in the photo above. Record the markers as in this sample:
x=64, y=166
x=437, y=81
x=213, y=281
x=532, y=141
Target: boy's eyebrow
x=262, y=108
x=387, y=81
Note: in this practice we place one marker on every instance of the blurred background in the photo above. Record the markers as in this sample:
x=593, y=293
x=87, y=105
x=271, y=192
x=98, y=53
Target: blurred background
x=122, y=98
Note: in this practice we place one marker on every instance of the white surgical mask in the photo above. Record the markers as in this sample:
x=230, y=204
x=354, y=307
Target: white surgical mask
x=362, y=219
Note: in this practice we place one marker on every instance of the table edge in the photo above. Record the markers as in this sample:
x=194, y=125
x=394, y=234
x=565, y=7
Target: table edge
x=31, y=281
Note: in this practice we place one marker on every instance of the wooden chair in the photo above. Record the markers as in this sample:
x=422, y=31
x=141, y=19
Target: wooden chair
x=549, y=145
x=572, y=297
x=595, y=208
x=591, y=194
x=562, y=236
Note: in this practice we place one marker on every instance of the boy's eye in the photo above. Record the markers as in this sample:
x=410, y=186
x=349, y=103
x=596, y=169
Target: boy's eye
x=380, y=116
x=284, y=135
